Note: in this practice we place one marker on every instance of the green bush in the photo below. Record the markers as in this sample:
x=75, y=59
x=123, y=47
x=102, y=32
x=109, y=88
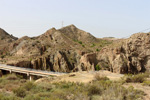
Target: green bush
x=29, y=85
x=32, y=97
x=97, y=50
x=93, y=45
x=97, y=67
x=83, y=45
x=147, y=83
x=7, y=97
x=138, y=78
x=11, y=77
x=94, y=90
x=20, y=92
x=80, y=42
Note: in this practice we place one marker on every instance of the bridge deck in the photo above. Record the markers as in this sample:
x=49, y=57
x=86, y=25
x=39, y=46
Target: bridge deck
x=29, y=71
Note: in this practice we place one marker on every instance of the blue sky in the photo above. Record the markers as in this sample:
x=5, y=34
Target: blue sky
x=102, y=18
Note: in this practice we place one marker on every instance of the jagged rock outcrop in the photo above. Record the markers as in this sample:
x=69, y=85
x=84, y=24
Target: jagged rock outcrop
x=70, y=49
x=87, y=62
x=129, y=56
x=59, y=61
x=62, y=50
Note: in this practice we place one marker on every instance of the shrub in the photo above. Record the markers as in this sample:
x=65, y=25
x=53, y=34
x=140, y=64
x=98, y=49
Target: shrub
x=139, y=78
x=20, y=92
x=94, y=90
x=29, y=85
x=100, y=77
x=97, y=67
x=97, y=50
x=80, y=42
x=11, y=77
x=2, y=56
x=83, y=45
x=6, y=97
x=93, y=45
x=32, y=97
x=147, y=83
x=44, y=86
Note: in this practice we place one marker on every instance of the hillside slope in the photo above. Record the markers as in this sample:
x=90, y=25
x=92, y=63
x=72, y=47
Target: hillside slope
x=62, y=50
x=5, y=37
x=70, y=49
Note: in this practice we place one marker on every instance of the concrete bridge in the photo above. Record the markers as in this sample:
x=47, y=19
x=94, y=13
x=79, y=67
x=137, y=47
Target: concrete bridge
x=29, y=72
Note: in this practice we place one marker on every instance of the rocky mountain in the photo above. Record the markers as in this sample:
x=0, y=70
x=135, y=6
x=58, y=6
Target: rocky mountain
x=56, y=50
x=130, y=55
x=76, y=34
x=5, y=40
x=70, y=49
x=5, y=37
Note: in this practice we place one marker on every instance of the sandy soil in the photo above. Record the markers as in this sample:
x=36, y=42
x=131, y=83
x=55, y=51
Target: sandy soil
x=83, y=77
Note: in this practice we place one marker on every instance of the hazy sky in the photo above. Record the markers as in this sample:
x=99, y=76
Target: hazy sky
x=102, y=18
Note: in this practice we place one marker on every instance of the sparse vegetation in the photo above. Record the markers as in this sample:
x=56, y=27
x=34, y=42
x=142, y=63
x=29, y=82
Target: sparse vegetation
x=97, y=50
x=137, y=78
x=83, y=45
x=20, y=92
x=101, y=88
x=2, y=56
x=93, y=45
x=99, y=77
x=103, y=43
x=97, y=67
x=80, y=42
x=146, y=83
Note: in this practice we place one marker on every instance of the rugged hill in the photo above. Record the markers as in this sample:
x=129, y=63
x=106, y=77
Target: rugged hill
x=70, y=49
x=56, y=50
x=5, y=37
x=130, y=55
x=76, y=34
x=5, y=40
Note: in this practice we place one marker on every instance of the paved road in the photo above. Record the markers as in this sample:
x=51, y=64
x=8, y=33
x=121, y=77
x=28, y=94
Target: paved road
x=29, y=71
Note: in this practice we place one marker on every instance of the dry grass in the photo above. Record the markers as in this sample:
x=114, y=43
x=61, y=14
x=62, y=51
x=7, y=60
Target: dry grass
x=100, y=89
x=99, y=77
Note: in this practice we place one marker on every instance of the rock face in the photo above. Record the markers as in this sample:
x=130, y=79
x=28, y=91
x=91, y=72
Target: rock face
x=88, y=62
x=63, y=50
x=130, y=56
x=70, y=49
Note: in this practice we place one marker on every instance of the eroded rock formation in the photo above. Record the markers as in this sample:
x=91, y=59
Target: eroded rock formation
x=129, y=56
x=70, y=49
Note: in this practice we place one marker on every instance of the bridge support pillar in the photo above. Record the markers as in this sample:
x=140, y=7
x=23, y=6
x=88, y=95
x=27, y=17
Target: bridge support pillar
x=28, y=74
x=10, y=71
x=30, y=77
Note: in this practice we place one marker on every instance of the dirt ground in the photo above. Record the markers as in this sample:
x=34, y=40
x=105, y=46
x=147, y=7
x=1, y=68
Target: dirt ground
x=83, y=77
